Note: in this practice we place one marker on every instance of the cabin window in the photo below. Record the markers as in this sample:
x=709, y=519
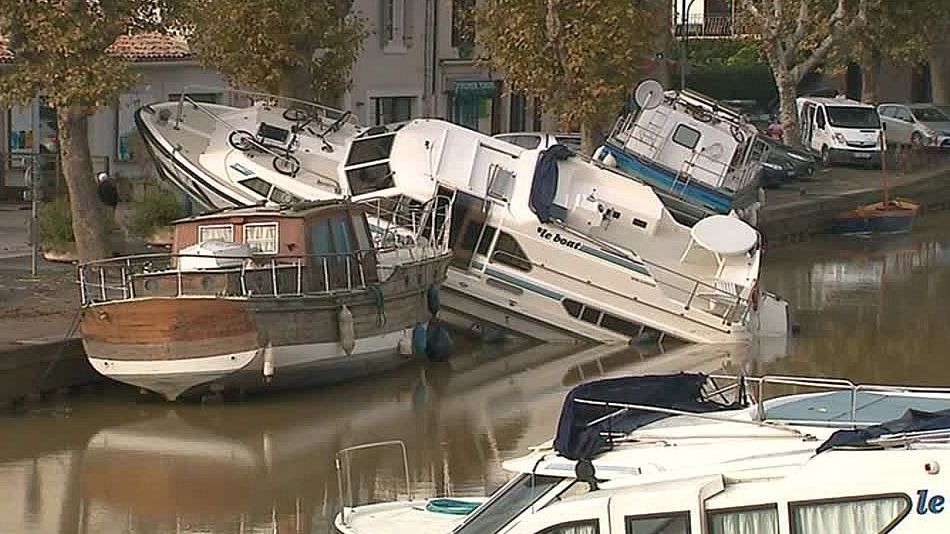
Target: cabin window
x=507, y=503
x=509, y=252
x=370, y=178
x=686, y=136
x=865, y=514
x=762, y=520
x=216, y=232
x=341, y=235
x=262, y=238
x=674, y=523
x=361, y=229
x=257, y=185
x=372, y=149
x=589, y=526
x=280, y=196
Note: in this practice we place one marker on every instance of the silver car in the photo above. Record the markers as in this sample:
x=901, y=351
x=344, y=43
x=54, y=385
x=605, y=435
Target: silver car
x=915, y=124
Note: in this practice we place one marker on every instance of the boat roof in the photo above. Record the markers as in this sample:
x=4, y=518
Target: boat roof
x=785, y=430
x=295, y=211
x=841, y=102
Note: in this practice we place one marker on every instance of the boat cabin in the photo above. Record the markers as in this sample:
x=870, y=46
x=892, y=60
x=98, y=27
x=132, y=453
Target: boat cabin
x=259, y=251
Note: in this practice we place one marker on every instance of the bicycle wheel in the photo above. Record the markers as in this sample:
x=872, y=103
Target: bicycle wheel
x=241, y=140
x=295, y=115
x=286, y=164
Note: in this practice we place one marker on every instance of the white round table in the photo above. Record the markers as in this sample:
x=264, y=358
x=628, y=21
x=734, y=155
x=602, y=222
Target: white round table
x=723, y=236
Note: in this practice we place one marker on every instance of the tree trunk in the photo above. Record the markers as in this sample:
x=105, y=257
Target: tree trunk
x=787, y=92
x=88, y=223
x=940, y=74
x=870, y=67
x=592, y=136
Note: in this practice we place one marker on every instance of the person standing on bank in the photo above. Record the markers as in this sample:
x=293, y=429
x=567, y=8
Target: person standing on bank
x=108, y=193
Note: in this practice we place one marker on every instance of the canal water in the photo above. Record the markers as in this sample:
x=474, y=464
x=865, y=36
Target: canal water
x=110, y=462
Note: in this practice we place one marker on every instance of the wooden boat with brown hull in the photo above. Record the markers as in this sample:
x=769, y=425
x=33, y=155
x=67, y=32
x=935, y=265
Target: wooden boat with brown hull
x=262, y=297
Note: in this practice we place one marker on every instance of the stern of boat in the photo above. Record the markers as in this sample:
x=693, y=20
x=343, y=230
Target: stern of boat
x=169, y=345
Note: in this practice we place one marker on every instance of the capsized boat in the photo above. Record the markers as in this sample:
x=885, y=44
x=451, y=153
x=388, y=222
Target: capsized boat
x=699, y=453
x=547, y=244
x=263, y=297
x=703, y=154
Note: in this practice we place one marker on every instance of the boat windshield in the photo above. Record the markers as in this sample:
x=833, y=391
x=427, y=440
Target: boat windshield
x=853, y=117
x=507, y=503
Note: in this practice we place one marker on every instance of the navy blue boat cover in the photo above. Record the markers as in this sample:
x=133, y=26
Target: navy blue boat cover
x=544, y=182
x=578, y=441
x=911, y=421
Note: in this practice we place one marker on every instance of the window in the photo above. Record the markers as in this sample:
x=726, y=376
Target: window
x=262, y=238
x=390, y=109
x=589, y=526
x=887, y=111
x=516, y=109
x=930, y=115
x=507, y=504
x=529, y=142
x=257, y=185
x=369, y=179
x=216, y=232
x=280, y=196
x=570, y=141
x=855, y=117
x=509, y=252
x=867, y=515
x=744, y=521
x=820, y=119
x=463, y=26
x=392, y=28
x=676, y=523
x=686, y=136
x=372, y=149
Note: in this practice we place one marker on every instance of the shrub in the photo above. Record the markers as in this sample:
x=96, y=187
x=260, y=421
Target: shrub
x=56, y=225
x=156, y=209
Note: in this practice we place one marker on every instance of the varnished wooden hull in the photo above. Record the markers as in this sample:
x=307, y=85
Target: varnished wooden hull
x=183, y=346
x=895, y=217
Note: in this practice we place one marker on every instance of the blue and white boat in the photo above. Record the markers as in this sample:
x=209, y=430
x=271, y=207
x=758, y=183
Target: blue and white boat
x=690, y=148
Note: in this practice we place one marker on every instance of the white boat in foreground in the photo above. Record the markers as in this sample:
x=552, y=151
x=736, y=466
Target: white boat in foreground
x=546, y=244
x=676, y=454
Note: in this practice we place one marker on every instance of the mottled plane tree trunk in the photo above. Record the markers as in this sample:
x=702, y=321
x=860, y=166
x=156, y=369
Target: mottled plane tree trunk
x=797, y=36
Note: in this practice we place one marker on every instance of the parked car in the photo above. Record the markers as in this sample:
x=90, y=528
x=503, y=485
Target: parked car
x=532, y=140
x=915, y=124
x=751, y=110
x=785, y=163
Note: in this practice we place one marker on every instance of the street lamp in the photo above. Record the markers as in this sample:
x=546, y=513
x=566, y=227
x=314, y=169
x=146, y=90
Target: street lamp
x=685, y=47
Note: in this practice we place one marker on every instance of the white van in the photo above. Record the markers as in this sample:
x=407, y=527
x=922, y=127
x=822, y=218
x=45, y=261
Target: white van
x=840, y=130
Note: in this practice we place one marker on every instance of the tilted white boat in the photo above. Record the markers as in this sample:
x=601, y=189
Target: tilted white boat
x=548, y=244
x=676, y=454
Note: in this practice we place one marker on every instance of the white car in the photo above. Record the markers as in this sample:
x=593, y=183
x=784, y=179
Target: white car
x=532, y=140
x=915, y=124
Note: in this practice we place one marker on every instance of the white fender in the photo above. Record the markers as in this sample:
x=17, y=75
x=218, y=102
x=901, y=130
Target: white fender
x=347, y=337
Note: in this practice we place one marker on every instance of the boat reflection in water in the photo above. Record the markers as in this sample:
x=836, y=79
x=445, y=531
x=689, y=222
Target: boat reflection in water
x=269, y=465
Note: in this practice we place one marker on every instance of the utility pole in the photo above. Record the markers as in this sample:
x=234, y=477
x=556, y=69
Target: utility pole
x=684, y=48
x=35, y=217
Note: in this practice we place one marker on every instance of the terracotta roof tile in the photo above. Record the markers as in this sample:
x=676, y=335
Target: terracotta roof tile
x=141, y=47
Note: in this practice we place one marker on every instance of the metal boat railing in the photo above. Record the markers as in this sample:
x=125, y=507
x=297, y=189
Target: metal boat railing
x=162, y=275
x=728, y=306
x=402, y=220
x=825, y=385
x=344, y=467
x=253, y=97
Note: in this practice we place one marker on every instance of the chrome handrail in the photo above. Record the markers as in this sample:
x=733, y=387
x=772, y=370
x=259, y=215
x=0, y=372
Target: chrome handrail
x=342, y=460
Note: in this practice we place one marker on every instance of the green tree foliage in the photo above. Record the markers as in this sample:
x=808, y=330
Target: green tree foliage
x=796, y=37
x=581, y=58
x=296, y=48
x=60, y=50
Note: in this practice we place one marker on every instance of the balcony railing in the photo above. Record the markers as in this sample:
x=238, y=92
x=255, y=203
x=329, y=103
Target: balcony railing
x=713, y=25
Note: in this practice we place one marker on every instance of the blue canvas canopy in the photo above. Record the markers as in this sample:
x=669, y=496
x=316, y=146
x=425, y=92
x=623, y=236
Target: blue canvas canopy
x=544, y=181
x=911, y=421
x=577, y=439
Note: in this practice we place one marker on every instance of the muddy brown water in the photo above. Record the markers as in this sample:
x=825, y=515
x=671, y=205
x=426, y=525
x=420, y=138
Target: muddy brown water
x=870, y=310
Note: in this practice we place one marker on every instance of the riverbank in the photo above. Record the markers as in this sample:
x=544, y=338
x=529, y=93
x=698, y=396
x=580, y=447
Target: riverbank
x=800, y=210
